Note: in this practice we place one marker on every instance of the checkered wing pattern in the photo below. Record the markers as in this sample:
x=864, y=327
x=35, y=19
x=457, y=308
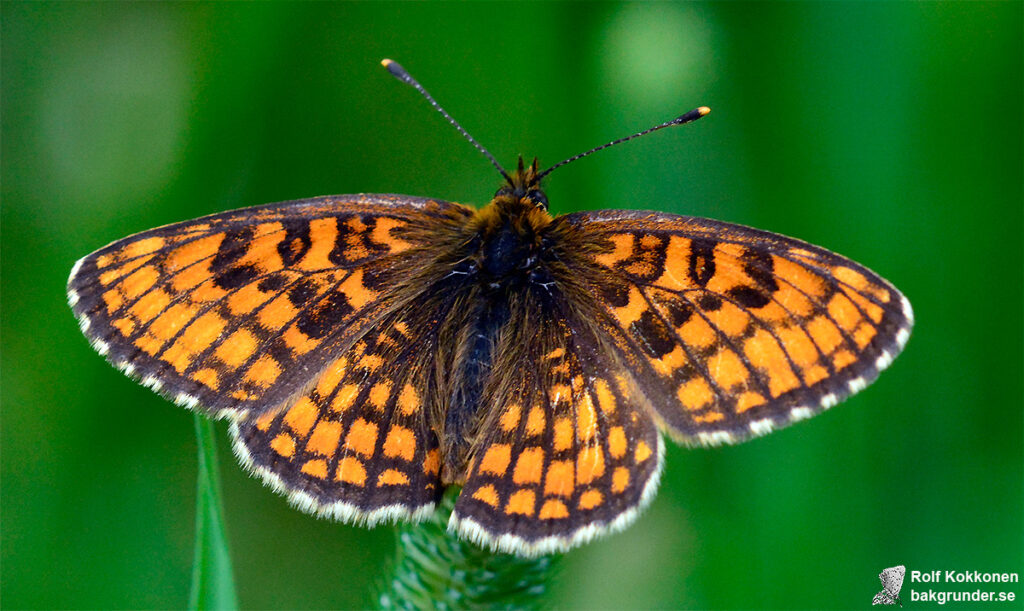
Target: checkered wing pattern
x=357, y=445
x=732, y=331
x=240, y=312
x=567, y=453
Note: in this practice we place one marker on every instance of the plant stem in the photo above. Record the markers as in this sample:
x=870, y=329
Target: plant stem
x=436, y=570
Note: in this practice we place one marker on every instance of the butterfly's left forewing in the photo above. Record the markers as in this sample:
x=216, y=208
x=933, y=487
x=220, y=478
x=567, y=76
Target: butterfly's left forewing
x=241, y=311
x=732, y=331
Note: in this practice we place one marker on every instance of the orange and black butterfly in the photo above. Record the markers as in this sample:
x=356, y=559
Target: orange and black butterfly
x=372, y=350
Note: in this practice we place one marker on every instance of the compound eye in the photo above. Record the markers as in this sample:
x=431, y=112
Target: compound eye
x=503, y=191
x=538, y=198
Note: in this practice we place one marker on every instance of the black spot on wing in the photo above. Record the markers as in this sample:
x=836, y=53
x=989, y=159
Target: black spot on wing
x=323, y=318
x=272, y=283
x=302, y=292
x=709, y=302
x=656, y=341
x=702, y=261
x=377, y=277
x=233, y=247
x=760, y=267
x=296, y=241
x=679, y=311
x=236, y=277
x=615, y=294
x=749, y=297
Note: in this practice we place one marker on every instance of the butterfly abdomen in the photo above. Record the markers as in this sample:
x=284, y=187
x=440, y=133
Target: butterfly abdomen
x=470, y=375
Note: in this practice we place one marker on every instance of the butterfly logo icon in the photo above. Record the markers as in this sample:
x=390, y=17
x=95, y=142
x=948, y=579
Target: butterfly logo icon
x=892, y=583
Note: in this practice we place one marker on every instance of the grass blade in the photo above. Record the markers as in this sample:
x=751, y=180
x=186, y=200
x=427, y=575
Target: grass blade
x=213, y=586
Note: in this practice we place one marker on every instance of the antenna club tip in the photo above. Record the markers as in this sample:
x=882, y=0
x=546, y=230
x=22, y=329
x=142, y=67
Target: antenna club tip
x=691, y=116
x=396, y=70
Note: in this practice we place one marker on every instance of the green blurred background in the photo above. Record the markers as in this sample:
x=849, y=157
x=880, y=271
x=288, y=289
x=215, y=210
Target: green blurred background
x=889, y=132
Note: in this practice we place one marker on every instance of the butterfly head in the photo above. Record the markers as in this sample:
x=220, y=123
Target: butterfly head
x=523, y=187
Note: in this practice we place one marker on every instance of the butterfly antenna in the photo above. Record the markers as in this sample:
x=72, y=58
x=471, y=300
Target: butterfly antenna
x=399, y=73
x=689, y=117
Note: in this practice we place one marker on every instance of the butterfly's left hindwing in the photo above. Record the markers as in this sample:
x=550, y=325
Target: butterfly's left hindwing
x=731, y=331
x=240, y=311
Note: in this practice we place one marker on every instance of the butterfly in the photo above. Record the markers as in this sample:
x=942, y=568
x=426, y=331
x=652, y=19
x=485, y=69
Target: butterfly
x=370, y=351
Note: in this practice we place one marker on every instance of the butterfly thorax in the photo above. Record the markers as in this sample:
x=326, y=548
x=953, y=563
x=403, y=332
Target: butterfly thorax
x=507, y=239
x=506, y=236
